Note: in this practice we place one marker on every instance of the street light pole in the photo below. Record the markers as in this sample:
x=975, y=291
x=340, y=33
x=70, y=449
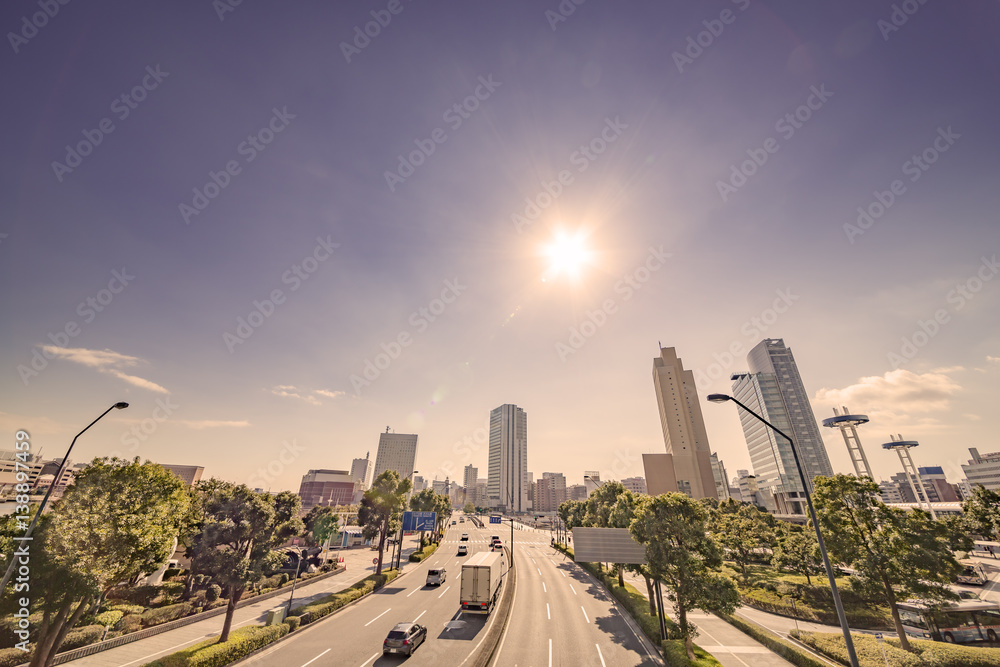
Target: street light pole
x=27, y=534
x=841, y=615
x=302, y=557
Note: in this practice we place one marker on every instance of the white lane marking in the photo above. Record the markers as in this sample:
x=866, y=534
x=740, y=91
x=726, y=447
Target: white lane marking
x=550, y=653
x=585, y=613
x=601, y=656
x=573, y=589
x=564, y=573
x=317, y=657
x=421, y=614
x=544, y=589
x=539, y=571
x=414, y=591
x=443, y=592
x=548, y=612
x=369, y=660
x=377, y=617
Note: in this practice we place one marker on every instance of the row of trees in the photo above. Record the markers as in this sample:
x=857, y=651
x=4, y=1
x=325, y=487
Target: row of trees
x=895, y=554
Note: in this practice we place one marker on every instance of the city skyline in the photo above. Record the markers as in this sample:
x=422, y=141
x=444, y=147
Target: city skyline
x=259, y=244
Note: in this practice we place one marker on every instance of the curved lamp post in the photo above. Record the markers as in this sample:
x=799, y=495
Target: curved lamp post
x=722, y=398
x=27, y=534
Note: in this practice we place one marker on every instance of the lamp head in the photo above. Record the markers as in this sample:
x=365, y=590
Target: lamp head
x=718, y=398
x=121, y=405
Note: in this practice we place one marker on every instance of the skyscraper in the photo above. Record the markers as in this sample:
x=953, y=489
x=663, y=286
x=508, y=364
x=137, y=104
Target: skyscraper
x=721, y=483
x=508, y=471
x=396, y=451
x=686, y=467
x=469, y=479
x=773, y=389
x=361, y=470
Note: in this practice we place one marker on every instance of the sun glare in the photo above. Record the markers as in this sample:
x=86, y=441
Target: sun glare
x=567, y=256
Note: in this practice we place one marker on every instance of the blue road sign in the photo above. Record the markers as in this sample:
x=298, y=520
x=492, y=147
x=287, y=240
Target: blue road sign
x=495, y=519
x=419, y=520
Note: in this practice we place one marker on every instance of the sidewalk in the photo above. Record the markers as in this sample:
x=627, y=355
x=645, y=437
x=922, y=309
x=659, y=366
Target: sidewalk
x=359, y=565
x=728, y=645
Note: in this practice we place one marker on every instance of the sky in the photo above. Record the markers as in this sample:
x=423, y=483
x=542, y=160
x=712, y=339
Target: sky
x=276, y=230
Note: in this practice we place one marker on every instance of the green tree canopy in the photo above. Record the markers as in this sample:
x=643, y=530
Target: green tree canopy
x=746, y=533
x=897, y=553
x=680, y=552
x=798, y=551
x=381, y=507
x=981, y=512
x=573, y=513
x=240, y=531
x=469, y=508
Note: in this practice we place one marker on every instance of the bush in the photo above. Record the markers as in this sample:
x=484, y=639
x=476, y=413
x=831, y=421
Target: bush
x=128, y=608
x=866, y=646
x=857, y=616
x=418, y=556
x=130, y=623
x=283, y=579
x=109, y=617
x=293, y=623
x=172, y=588
x=141, y=595
x=785, y=649
x=210, y=653
x=945, y=655
x=82, y=637
x=11, y=657
x=213, y=592
x=166, y=614
x=675, y=655
x=172, y=572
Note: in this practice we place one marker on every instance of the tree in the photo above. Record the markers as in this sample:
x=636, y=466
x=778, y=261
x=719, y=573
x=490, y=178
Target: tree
x=621, y=516
x=443, y=508
x=241, y=530
x=117, y=521
x=981, y=512
x=745, y=532
x=469, y=508
x=320, y=522
x=896, y=553
x=573, y=513
x=798, y=551
x=600, y=508
x=380, y=506
x=679, y=551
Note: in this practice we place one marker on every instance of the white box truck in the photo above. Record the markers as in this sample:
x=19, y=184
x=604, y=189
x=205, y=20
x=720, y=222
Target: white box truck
x=481, y=576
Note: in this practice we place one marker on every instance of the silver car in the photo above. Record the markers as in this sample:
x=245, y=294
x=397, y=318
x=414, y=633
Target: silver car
x=436, y=577
x=404, y=638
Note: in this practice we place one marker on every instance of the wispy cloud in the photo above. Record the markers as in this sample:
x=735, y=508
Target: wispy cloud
x=105, y=361
x=291, y=391
x=993, y=360
x=212, y=423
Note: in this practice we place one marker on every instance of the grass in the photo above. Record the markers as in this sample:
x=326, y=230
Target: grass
x=925, y=653
x=675, y=655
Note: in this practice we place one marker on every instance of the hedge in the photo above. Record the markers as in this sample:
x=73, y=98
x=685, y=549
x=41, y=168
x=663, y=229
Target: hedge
x=675, y=655
x=782, y=647
x=11, y=657
x=293, y=623
x=424, y=553
x=128, y=608
x=166, y=614
x=129, y=623
x=210, y=653
x=84, y=636
x=857, y=617
x=330, y=603
x=141, y=595
x=925, y=653
x=109, y=617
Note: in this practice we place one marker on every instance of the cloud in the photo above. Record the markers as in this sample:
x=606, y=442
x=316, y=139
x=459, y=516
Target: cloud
x=212, y=423
x=105, y=361
x=993, y=360
x=291, y=391
x=898, y=391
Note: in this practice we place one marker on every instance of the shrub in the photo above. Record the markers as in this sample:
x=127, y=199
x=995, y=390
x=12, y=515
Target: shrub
x=172, y=572
x=210, y=653
x=166, y=614
x=857, y=616
x=141, y=595
x=785, y=649
x=945, y=655
x=172, y=588
x=82, y=637
x=128, y=608
x=293, y=623
x=418, y=556
x=866, y=646
x=675, y=655
x=11, y=657
x=109, y=617
x=283, y=579
x=130, y=623
x=213, y=592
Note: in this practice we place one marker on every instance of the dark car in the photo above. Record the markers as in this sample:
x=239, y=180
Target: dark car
x=404, y=638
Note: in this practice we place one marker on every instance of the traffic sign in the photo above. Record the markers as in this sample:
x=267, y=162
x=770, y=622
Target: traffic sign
x=419, y=521
x=374, y=561
x=495, y=519
x=878, y=636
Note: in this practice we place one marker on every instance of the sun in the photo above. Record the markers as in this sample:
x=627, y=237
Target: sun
x=567, y=255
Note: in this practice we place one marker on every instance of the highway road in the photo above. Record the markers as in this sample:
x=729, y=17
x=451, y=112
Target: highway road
x=353, y=636
x=562, y=616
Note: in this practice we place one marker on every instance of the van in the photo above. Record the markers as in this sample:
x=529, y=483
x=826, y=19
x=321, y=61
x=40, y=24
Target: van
x=436, y=577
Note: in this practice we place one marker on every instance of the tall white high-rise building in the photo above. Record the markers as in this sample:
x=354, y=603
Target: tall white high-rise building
x=362, y=470
x=508, y=471
x=774, y=390
x=396, y=451
x=721, y=483
x=469, y=479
